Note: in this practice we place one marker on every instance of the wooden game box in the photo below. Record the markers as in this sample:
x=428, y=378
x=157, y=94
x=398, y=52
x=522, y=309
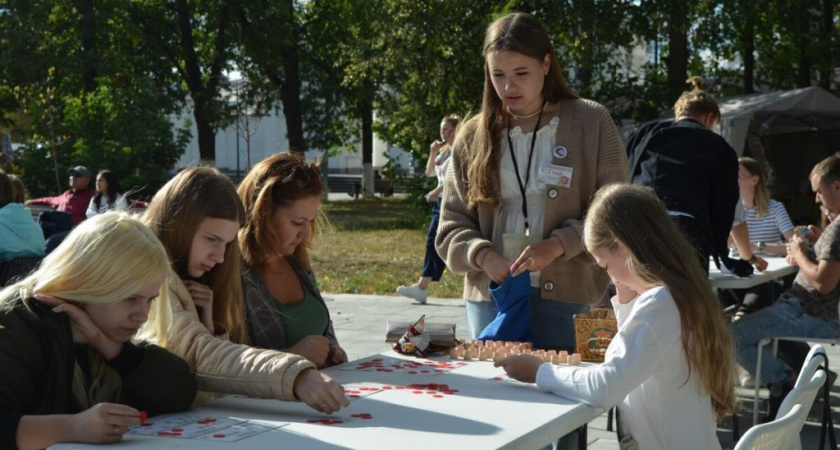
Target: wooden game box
x=594, y=331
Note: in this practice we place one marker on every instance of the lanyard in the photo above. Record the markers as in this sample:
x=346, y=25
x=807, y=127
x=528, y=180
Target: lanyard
x=527, y=170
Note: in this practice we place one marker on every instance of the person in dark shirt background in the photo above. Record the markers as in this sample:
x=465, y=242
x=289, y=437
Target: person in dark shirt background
x=694, y=171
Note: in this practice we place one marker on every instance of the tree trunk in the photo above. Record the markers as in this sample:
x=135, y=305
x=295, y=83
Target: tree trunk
x=198, y=91
x=88, y=37
x=826, y=66
x=206, y=133
x=805, y=63
x=290, y=96
x=748, y=53
x=290, y=93
x=677, y=60
x=366, y=112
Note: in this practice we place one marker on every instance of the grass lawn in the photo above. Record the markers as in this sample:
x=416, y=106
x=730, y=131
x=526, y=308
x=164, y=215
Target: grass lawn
x=371, y=246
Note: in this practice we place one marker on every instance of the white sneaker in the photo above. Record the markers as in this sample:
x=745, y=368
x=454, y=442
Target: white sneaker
x=414, y=292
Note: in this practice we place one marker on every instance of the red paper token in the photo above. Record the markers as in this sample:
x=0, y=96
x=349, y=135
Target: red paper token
x=143, y=416
x=219, y=436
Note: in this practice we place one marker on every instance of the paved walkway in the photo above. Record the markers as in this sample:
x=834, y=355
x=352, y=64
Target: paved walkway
x=360, y=323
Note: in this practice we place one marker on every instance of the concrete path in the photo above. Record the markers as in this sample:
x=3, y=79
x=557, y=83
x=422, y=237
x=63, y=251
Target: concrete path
x=360, y=322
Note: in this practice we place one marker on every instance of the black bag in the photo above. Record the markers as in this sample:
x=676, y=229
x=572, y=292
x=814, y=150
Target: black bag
x=54, y=222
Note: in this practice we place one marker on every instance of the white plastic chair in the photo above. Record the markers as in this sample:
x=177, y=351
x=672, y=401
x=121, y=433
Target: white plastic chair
x=808, y=369
x=774, y=435
x=803, y=394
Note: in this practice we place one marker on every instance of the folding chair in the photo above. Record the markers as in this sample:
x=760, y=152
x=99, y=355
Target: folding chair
x=774, y=435
x=816, y=349
x=803, y=394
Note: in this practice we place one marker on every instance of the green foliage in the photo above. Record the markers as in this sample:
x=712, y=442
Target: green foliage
x=95, y=81
x=107, y=129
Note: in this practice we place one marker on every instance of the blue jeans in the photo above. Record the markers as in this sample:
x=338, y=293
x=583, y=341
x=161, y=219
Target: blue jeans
x=552, y=321
x=433, y=265
x=784, y=318
x=479, y=315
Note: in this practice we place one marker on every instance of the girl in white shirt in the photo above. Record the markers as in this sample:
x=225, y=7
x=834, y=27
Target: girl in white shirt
x=433, y=265
x=109, y=195
x=669, y=367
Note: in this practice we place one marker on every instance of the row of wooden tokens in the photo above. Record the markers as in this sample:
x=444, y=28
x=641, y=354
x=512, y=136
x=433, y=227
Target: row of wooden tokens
x=498, y=350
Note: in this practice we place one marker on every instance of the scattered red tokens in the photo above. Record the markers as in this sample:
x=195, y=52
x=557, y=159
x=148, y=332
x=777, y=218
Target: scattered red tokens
x=365, y=416
x=325, y=421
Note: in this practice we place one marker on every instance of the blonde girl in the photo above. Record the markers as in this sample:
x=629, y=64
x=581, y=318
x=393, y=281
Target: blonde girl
x=669, y=367
x=72, y=368
x=197, y=216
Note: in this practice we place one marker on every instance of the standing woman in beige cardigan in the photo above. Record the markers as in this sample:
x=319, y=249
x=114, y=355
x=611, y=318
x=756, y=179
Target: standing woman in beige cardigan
x=528, y=164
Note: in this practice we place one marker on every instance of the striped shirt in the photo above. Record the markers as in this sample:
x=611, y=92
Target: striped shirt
x=772, y=226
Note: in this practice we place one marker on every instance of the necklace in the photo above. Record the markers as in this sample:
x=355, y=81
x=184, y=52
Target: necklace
x=526, y=116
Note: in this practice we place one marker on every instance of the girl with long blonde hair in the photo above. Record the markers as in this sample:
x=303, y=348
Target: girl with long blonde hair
x=197, y=216
x=669, y=367
x=73, y=370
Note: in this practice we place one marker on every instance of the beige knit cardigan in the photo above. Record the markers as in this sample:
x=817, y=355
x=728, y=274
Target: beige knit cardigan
x=597, y=156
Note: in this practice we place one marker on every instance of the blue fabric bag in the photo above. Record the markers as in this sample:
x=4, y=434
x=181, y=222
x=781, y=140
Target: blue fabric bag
x=513, y=319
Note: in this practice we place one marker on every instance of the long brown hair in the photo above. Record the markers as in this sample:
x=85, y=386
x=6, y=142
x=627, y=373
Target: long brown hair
x=696, y=102
x=277, y=181
x=661, y=256
x=761, y=195
x=176, y=212
x=520, y=33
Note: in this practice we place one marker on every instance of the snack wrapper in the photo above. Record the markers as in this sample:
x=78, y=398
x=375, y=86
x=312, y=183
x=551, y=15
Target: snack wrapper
x=418, y=343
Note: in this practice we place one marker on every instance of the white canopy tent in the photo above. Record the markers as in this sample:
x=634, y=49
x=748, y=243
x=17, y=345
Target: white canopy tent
x=788, y=132
x=811, y=109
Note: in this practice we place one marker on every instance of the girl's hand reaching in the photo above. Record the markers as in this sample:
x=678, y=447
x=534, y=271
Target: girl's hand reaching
x=319, y=391
x=521, y=367
x=103, y=423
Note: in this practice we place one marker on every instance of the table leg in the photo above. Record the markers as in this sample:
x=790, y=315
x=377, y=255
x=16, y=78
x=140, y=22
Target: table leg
x=582, y=437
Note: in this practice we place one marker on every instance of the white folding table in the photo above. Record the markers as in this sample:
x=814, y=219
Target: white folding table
x=484, y=413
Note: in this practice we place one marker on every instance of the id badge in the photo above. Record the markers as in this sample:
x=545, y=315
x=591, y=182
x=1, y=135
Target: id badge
x=555, y=175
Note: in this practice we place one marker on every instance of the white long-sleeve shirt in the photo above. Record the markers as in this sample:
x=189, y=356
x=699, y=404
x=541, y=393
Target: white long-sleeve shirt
x=120, y=205
x=644, y=373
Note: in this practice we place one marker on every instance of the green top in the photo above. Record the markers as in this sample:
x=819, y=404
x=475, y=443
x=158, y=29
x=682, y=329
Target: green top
x=308, y=317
